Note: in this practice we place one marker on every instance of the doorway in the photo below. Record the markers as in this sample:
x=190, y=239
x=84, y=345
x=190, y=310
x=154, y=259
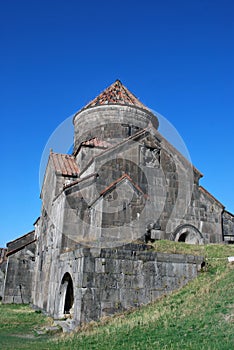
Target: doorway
x=66, y=296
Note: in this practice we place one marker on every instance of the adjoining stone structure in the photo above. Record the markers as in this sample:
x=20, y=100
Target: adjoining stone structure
x=124, y=183
x=228, y=227
x=3, y=262
x=20, y=269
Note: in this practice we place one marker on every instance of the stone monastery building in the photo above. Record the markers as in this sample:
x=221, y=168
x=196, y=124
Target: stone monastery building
x=124, y=186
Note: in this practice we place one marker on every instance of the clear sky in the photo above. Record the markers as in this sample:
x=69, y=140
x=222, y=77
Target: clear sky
x=176, y=56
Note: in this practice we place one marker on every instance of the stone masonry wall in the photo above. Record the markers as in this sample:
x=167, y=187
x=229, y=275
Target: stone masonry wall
x=107, y=281
x=228, y=227
x=3, y=262
x=169, y=181
x=110, y=123
x=130, y=277
x=20, y=268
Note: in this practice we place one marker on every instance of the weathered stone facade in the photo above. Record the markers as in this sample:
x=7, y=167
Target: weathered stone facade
x=89, y=283
x=228, y=227
x=124, y=183
x=3, y=262
x=20, y=269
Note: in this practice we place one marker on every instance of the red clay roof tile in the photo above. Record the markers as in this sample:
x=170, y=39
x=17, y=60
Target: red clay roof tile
x=95, y=142
x=64, y=164
x=116, y=93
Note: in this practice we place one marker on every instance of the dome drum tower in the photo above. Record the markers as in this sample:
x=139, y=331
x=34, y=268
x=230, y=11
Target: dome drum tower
x=113, y=116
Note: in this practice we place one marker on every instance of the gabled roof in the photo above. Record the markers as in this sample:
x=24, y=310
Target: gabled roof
x=109, y=187
x=64, y=164
x=211, y=196
x=119, y=180
x=116, y=93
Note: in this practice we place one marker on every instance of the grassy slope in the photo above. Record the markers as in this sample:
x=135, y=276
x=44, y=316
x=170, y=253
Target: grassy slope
x=199, y=316
x=17, y=327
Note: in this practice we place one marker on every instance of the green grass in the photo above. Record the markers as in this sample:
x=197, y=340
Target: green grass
x=18, y=325
x=199, y=316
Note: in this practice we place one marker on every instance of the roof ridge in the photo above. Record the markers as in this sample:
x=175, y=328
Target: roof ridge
x=62, y=154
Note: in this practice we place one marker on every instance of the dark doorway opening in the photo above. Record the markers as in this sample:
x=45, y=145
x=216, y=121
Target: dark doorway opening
x=182, y=237
x=69, y=293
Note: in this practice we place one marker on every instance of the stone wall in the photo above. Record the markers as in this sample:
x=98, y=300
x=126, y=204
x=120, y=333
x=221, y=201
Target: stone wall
x=228, y=227
x=164, y=200
x=110, y=123
x=20, y=269
x=170, y=197
x=91, y=283
x=20, y=242
x=3, y=263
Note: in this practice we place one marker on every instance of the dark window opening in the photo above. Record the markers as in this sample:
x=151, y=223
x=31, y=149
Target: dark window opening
x=129, y=130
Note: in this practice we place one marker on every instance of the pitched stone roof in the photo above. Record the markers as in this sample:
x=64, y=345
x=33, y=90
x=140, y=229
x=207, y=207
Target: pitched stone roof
x=64, y=164
x=116, y=93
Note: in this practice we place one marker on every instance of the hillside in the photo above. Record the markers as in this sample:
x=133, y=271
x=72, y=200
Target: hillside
x=199, y=316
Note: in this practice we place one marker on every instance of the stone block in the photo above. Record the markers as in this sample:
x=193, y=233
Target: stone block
x=152, y=281
x=88, y=280
x=157, y=234
x=150, y=268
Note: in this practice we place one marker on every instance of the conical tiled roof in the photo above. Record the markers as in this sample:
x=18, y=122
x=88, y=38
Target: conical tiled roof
x=116, y=93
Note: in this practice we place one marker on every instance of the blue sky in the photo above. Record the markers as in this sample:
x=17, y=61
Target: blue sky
x=176, y=56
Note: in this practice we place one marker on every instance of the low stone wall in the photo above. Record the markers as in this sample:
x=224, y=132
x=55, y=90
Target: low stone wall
x=114, y=280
